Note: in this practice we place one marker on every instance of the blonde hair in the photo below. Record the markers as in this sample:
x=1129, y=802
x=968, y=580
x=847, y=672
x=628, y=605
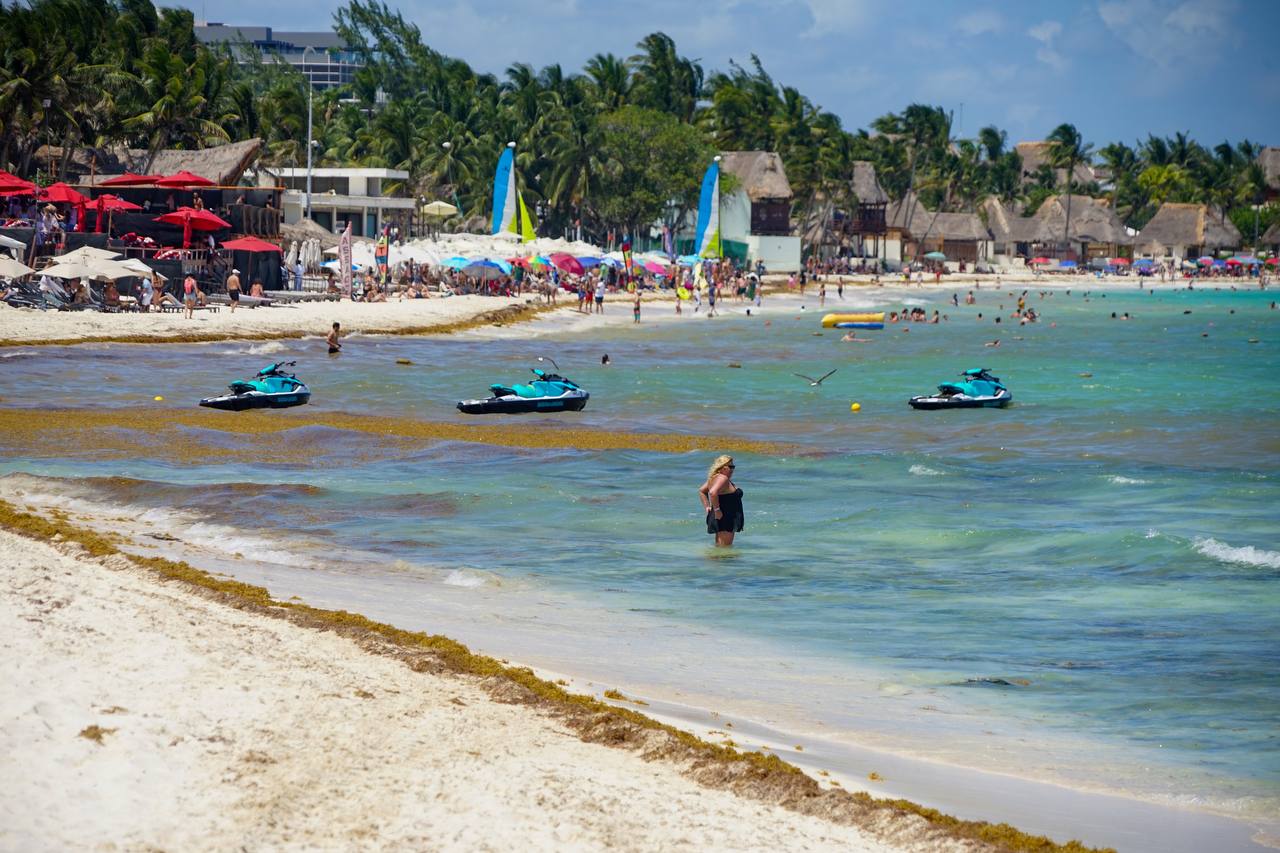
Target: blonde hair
x=721, y=461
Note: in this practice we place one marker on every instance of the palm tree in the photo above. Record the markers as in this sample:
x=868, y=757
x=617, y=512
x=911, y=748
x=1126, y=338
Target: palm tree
x=611, y=78
x=1068, y=148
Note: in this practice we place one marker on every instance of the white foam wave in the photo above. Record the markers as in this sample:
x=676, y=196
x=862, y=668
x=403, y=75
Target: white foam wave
x=22, y=353
x=924, y=471
x=1127, y=481
x=1246, y=554
x=1152, y=533
x=462, y=577
x=265, y=348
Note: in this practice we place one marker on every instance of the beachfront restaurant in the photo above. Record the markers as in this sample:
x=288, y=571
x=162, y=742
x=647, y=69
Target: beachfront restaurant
x=367, y=198
x=854, y=228
x=912, y=231
x=757, y=215
x=1096, y=231
x=1186, y=231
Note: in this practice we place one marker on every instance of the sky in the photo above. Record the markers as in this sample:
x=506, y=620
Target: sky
x=1117, y=69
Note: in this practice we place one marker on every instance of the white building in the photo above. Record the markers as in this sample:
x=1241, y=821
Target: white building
x=340, y=195
x=758, y=212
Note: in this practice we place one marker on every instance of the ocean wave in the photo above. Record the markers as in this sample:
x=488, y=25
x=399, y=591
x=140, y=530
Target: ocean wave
x=1127, y=481
x=1245, y=555
x=22, y=353
x=463, y=577
x=924, y=471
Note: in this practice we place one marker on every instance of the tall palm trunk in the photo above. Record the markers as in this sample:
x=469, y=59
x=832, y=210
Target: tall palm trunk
x=1066, y=228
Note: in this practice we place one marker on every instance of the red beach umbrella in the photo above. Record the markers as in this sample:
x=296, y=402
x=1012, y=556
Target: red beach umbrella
x=184, y=179
x=129, y=179
x=655, y=267
x=1041, y=261
x=11, y=183
x=1119, y=262
x=1273, y=261
x=62, y=194
x=567, y=263
x=201, y=220
x=1233, y=262
x=519, y=262
x=115, y=204
x=251, y=244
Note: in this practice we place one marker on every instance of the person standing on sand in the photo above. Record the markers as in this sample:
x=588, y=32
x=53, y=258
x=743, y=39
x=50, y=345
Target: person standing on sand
x=722, y=501
x=822, y=294
x=600, y=296
x=335, y=346
x=189, y=295
x=233, y=289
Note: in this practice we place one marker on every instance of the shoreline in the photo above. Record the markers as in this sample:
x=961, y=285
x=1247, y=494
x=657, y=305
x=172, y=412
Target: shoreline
x=1101, y=817
x=32, y=328
x=754, y=778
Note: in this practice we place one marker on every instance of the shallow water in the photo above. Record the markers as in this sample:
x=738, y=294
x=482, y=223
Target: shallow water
x=1107, y=547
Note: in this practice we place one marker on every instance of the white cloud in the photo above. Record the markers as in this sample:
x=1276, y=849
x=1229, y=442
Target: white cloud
x=834, y=17
x=1045, y=31
x=1163, y=30
x=980, y=21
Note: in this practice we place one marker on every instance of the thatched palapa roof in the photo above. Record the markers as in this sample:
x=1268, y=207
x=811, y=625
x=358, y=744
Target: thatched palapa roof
x=1269, y=160
x=866, y=186
x=1008, y=226
x=1271, y=237
x=760, y=172
x=1037, y=154
x=222, y=164
x=1183, y=225
x=1092, y=220
x=920, y=223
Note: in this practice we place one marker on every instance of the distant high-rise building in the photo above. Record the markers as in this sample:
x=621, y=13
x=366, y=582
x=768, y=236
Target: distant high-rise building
x=323, y=57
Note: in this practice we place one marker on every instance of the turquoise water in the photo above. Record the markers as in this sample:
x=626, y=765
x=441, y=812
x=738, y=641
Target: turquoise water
x=1108, y=546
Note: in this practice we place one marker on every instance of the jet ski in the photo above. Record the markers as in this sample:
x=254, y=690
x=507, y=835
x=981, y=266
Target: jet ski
x=979, y=389
x=549, y=392
x=271, y=388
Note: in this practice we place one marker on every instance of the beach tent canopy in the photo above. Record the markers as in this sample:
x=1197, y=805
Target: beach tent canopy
x=9, y=268
x=201, y=220
x=250, y=244
x=13, y=184
x=129, y=179
x=184, y=179
x=115, y=204
x=62, y=194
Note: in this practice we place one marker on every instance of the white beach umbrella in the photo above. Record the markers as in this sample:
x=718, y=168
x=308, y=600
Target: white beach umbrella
x=10, y=243
x=69, y=270
x=9, y=268
x=141, y=269
x=86, y=255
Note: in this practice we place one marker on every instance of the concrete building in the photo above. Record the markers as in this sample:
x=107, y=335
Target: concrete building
x=757, y=214
x=339, y=195
x=323, y=57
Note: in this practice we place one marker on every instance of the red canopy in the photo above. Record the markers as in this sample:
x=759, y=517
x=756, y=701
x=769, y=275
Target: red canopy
x=519, y=262
x=1119, y=262
x=250, y=244
x=129, y=179
x=63, y=194
x=567, y=262
x=106, y=201
x=12, y=183
x=201, y=220
x=184, y=179
x=1041, y=261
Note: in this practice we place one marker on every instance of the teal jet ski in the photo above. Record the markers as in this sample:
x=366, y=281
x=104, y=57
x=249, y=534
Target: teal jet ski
x=549, y=392
x=271, y=388
x=978, y=390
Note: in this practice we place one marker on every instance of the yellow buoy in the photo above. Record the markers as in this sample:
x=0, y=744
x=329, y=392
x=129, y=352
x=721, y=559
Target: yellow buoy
x=855, y=407
x=157, y=398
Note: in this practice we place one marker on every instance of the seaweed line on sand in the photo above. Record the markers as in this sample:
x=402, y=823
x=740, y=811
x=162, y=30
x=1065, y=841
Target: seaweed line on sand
x=30, y=427
x=497, y=317
x=764, y=778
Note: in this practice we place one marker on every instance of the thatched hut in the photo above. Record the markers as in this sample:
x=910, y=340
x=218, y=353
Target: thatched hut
x=1186, y=231
x=1094, y=226
x=1269, y=161
x=1271, y=237
x=913, y=230
x=1012, y=234
x=1037, y=154
x=755, y=219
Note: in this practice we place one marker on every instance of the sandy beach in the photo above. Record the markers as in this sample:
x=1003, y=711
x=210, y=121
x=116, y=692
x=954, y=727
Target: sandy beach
x=141, y=714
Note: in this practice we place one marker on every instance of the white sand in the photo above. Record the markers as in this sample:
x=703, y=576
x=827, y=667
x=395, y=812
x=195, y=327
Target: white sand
x=312, y=318
x=234, y=729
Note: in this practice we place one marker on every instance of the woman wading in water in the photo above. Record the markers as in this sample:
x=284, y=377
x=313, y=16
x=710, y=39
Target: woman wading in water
x=722, y=501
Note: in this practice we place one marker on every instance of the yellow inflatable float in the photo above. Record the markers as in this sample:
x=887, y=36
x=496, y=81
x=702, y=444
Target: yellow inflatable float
x=854, y=321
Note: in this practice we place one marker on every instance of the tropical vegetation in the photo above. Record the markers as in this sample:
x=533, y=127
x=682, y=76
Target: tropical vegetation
x=622, y=141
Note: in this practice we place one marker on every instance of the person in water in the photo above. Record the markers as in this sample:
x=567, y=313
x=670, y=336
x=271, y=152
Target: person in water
x=335, y=346
x=722, y=501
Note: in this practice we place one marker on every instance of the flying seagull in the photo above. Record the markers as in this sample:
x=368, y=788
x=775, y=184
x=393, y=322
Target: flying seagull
x=814, y=383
